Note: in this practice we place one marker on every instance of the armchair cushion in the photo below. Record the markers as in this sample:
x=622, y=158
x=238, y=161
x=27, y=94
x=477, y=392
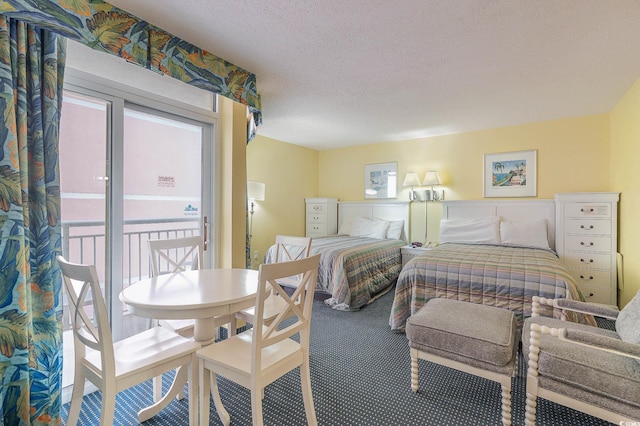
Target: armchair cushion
x=596, y=309
x=628, y=321
x=601, y=341
x=595, y=376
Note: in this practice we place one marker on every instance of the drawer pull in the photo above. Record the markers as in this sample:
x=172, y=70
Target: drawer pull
x=584, y=227
x=590, y=210
x=582, y=277
x=585, y=261
x=590, y=294
x=582, y=243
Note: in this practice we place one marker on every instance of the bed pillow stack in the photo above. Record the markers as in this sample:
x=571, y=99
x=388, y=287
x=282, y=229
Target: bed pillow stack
x=372, y=228
x=490, y=230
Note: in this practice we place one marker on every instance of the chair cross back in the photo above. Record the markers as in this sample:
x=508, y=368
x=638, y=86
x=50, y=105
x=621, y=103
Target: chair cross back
x=81, y=282
x=293, y=308
x=291, y=248
x=169, y=252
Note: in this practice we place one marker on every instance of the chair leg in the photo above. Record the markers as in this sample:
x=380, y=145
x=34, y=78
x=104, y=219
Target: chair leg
x=225, y=418
x=76, y=397
x=414, y=370
x=193, y=386
x=108, y=406
x=530, y=412
x=204, y=393
x=256, y=406
x=506, y=401
x=307, y=396
x=157, y=388
x=233, y=326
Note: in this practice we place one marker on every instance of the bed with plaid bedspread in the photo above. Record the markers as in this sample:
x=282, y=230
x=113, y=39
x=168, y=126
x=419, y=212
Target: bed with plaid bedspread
x=354, y=270
x=495, y=275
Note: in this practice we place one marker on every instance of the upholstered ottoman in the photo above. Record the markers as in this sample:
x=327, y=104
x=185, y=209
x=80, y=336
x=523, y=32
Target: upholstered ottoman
x=477, y=339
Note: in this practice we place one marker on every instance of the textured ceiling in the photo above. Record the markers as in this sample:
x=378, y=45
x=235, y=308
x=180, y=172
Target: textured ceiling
x=336, y=73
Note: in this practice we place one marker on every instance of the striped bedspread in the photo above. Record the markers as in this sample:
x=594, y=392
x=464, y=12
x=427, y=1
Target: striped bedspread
x=354, y=270
x=502, y=276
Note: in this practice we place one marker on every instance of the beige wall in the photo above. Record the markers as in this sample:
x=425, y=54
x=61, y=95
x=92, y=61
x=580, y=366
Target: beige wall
x=625, y=176
x=590, y=153
x=572, y=156
x=290, y=173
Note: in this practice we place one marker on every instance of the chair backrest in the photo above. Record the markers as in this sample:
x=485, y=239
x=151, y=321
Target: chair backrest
x=89, y=318
x=297, y=309
x=175, y=255
x=291, y=248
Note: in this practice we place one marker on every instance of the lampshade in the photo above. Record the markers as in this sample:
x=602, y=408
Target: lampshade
x=411, y=179
x=431, y=179
x=255, y=190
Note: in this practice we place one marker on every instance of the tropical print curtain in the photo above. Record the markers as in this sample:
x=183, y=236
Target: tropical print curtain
x=109, y=29
x=31, y=73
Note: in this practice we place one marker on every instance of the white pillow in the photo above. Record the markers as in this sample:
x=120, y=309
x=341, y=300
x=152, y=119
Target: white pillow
x=394, y=232
x=345, y=226
x=361, y=227
x=484, y=230
x=530, y=233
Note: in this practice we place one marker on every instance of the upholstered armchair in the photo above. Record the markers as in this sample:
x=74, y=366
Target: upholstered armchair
x=589, y=369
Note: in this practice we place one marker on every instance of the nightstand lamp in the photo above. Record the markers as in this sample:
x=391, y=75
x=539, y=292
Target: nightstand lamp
x=411, y=179
x=431, y=178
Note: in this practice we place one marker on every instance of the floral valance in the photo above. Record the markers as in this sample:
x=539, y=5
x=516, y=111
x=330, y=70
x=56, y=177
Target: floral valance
x=109, y=29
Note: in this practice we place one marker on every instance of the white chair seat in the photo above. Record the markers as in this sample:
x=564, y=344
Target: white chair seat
x=182, y=327
x=145, y=351
x=235, y=354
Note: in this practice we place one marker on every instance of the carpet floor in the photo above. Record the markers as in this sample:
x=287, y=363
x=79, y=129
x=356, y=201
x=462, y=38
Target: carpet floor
x=360, y=374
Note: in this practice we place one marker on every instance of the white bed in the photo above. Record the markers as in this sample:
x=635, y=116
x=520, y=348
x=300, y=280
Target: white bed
x=495, y=252
x=356, y=268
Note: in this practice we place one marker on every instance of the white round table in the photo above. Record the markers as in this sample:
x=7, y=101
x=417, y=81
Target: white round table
x=200, y=295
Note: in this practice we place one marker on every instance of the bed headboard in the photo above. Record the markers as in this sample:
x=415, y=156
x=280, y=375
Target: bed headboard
x=381, y=210
x=506, y=210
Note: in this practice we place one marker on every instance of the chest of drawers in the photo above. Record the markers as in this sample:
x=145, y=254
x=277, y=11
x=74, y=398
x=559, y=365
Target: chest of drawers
x=586, y=241
x=322, y=216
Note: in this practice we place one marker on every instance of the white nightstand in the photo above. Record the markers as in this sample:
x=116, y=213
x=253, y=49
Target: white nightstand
x=408, y=252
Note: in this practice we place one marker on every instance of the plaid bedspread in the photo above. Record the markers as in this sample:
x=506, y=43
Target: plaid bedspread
x=354, y=270
x=506, y=277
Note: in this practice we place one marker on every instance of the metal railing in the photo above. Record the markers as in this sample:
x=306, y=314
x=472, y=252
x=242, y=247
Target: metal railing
x=84, y=241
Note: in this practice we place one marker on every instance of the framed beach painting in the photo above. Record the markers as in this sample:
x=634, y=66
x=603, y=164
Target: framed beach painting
x=510, y=174
x=380, y=180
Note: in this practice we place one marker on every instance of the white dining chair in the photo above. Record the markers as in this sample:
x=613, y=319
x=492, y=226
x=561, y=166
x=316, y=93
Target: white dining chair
x=262, y=354
x=287, y=248
x=114, y=367
x=181, y=254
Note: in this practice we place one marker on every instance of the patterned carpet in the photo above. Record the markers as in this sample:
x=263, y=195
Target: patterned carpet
x=360, y=373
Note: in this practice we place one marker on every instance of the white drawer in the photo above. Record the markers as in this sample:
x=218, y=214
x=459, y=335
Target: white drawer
x=587, y=243
x=588, y=227
x=587, y=260
x=586, y=277
x=316, y=217
x=316, y=229
x=596, y=293
x=316, y=207
x=587, y=210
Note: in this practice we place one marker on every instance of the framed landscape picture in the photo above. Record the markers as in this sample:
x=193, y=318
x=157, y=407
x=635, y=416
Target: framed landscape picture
x=510, y=174
x=380, y=180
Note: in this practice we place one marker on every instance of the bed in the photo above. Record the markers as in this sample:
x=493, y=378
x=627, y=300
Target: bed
x=363, y=261
x=497, y=253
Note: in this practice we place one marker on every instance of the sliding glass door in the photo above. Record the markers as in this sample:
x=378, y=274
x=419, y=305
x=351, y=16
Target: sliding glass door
x=129, y=173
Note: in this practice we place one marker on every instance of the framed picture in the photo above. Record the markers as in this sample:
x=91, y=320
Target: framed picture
x=380, y=180
x=510, y=174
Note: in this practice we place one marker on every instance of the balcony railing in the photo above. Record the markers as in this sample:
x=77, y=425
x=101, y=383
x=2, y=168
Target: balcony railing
x=85, y=242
